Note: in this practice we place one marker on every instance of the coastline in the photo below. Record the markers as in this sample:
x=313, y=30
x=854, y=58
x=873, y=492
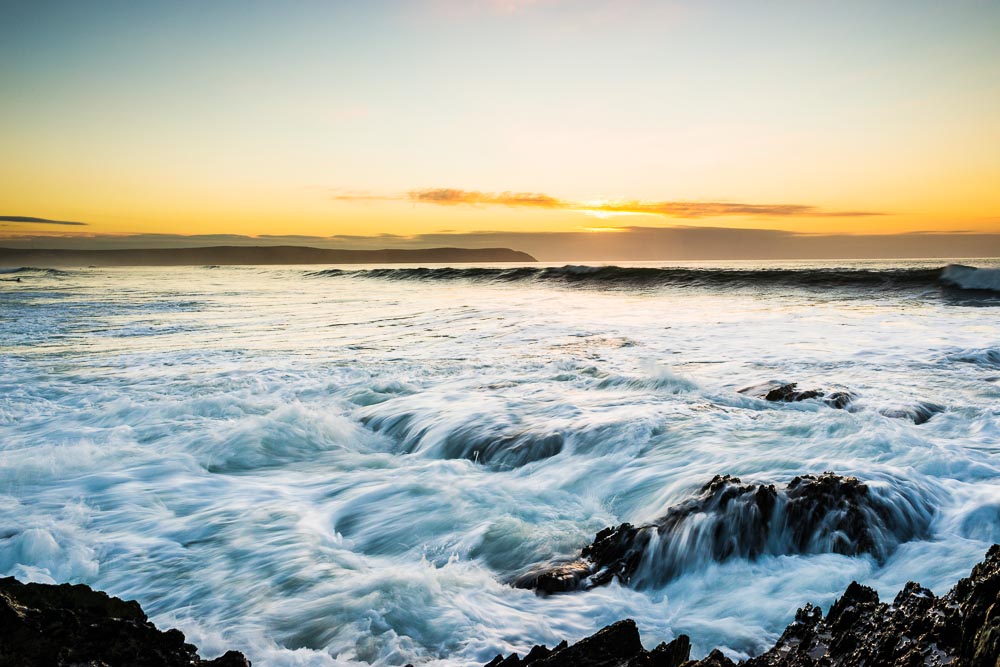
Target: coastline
x=251, y=255
x=64, y=624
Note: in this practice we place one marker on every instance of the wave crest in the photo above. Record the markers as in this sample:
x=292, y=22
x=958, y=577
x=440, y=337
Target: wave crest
x=33, y=269
x=951, y=276
x=971, y=278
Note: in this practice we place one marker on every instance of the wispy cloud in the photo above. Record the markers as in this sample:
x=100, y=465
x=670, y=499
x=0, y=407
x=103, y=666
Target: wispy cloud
x=605, y=207
x=39, y=221
x=451, y=197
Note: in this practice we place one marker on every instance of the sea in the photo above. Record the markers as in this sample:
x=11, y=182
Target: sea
x=349, y=465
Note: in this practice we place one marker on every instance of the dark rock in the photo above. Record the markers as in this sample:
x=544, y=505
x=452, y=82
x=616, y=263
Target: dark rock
x=715, y=659
x=616, y=644
x=674, y=654
x=66, y=625
x=500, y=445
x=537, y=652
x=960, y=629
x=920, y=413
x=839, y=399
x=825, y=513
x=788, y=393
x=559, y=578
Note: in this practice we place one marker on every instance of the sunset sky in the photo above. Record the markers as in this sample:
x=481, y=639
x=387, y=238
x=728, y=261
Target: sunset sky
x=362, y=119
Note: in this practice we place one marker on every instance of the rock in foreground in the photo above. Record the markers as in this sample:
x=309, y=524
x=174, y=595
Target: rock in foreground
x=67, y=625
x=826, y=513
x=960, y=629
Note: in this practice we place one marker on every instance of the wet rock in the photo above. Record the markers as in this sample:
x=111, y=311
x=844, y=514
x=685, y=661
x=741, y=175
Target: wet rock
x=674, y=654
x=45, y=625
x=960, y=629
x=617, y=645
x=500, y=444
x=826, y=513
x=558, y=578
x=920, y=413
x=715, y=659
x=789, y=393
x=839, y=399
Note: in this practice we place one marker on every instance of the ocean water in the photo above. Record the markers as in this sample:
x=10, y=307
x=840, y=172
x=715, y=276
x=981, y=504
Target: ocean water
x=349, y=465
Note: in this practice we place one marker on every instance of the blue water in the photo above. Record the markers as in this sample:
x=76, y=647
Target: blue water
x=346, y=467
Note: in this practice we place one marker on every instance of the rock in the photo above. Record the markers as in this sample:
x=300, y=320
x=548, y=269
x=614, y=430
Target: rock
x=787, y=393
x=920, y=413
x=674, y=654
x=75, y=626
x=826, y=513
x=960, y=629
x=44, y=625
x=560, y=578
x=839, y=399
x=617, y=645
x=715, y=659
x=492, y=444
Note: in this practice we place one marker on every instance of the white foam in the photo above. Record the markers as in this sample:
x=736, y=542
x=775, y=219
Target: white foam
x=970, y=277
x=222, y=473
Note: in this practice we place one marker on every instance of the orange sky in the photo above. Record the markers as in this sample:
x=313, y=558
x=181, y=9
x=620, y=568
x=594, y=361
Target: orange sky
x=417, y=118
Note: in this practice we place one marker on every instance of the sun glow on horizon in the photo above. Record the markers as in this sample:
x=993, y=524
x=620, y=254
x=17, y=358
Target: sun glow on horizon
x=856, y=118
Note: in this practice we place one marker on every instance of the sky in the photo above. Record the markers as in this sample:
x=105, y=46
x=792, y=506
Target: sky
x=399, y=123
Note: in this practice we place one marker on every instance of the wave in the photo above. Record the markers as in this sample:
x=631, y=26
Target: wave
x=987, y=357
x=971, y=278
x=951, y=276
x=33, y=269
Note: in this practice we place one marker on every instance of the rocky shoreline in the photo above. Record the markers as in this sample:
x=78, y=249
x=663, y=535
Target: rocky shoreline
x=825, y=513
x=917, y=629
x=65, y=625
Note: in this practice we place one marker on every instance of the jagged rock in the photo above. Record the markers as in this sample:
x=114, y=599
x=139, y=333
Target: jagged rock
x=674, y=654
x=713, y=659
x=617, y=645
x=839, y=399
x=825, y=513
x=960, y=629
x=67, y=625
x=787, y=393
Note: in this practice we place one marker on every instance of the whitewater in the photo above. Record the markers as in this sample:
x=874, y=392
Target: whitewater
x=353, y=465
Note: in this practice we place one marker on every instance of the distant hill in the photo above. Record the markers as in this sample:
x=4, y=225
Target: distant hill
x=229, y=255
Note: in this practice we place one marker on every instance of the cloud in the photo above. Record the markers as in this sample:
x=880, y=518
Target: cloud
x=296, y=237
x=39, y=221
x=451, y=197
x=606, y=207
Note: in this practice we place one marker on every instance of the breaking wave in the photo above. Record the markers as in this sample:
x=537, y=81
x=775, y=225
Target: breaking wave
x=32, y=269
x=951, y=276
x=971, y=278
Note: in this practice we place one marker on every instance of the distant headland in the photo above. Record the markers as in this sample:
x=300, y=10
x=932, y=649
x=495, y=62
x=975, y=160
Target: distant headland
x=233, y=255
